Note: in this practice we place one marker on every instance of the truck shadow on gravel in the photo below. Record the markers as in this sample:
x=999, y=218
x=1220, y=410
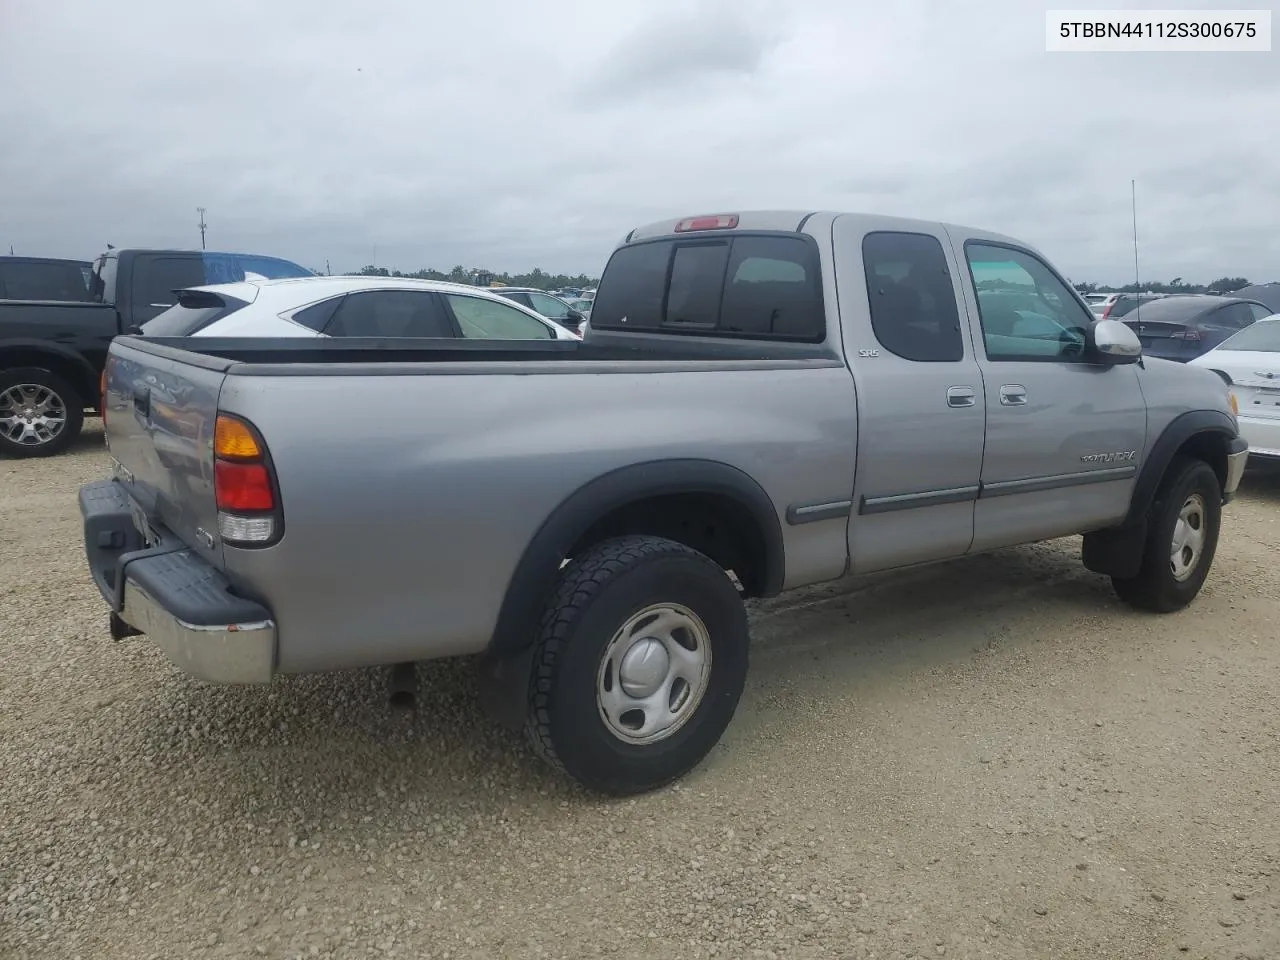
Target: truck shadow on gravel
x=331, y=744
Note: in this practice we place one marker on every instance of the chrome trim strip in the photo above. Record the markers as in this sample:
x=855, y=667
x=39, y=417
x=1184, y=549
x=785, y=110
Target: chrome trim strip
x=908, y=501
x=1036, y=484
x=813, y=512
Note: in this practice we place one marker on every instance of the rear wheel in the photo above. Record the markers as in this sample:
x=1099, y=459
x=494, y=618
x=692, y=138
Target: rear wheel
x=1182, y=537
x=40, y=413
x=639, y=666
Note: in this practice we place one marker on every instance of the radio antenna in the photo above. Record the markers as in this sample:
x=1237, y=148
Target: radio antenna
x=1137, y=284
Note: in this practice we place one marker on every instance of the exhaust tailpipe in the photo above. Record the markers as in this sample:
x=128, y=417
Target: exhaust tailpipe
x=402, y=686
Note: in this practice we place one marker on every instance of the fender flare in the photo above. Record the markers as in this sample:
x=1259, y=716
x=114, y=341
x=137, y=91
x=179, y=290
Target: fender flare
x=1181, y=429
x=1117, y=551
x=536, y=571
x=51, y=348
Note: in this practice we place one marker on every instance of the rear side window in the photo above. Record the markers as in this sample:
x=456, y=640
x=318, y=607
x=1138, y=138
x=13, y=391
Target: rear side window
x=913, y=303
x=180, y=321
x=1234, y=316
x=193, y=312
x=482, y=319
x=390, y=313
x=316, y=317
x=27, y=280
x=1259, y=311
x=754, y=286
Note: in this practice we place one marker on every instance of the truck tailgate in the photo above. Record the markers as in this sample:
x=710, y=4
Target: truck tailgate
x=160, y=407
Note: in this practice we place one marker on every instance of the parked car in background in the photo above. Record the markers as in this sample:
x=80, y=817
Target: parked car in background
x=279, y=507
x=543, y=303
x=44, y=278
x=1183, y=327
x=52, y=351
x=1267, y=293
x=1118, y=305
x=1249, y=362
x=351, y=307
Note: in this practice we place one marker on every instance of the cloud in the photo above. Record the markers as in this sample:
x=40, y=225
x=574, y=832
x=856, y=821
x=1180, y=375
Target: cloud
x=513, y=135
x=688, y=49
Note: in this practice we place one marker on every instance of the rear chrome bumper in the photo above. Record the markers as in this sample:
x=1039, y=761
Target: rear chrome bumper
x=1237, y=455
x=173, y=595
x=217, y=652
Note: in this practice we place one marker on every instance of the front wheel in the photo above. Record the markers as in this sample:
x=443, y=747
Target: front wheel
x=40, y=413
x=639, y=666
x=1182, y=537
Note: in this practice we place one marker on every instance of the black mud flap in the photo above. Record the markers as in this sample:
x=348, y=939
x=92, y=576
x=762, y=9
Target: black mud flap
x=1116, y=552
x=504, y=686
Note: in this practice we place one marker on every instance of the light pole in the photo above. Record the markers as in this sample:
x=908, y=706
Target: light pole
x=200, y=210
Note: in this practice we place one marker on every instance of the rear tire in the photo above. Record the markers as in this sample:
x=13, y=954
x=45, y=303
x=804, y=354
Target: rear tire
x=1182, y=538
x=40, y=413
x=639, y=665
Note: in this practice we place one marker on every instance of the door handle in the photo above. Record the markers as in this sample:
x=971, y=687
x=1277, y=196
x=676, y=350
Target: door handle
x=961, y=397
x=1013, y=395
x=142, y=402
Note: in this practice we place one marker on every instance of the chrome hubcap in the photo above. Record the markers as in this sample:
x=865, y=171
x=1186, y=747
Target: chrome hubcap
x=654, y=673
x=1188, y=538
x=31, y=414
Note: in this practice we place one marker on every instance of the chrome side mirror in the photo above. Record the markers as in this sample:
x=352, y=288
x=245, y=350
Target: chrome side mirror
x=1115, y=342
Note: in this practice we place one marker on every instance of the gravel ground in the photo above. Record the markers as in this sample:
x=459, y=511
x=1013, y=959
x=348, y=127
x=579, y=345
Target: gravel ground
x=991, y=758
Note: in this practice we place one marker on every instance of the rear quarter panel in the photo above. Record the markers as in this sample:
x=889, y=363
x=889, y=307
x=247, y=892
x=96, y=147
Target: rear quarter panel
x=408, y=499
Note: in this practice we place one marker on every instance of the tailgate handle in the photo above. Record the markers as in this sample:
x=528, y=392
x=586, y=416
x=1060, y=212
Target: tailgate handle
x=142, y=401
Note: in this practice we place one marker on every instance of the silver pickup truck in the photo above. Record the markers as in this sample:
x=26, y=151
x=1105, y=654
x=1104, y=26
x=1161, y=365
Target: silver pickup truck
x=786, y=397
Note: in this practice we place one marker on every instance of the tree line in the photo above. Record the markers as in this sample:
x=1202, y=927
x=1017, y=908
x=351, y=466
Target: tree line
x=536, y=277
x=1176, y=285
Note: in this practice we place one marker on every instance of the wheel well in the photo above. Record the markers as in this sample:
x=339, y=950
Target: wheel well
x=1209, y=447
x=76, y=374
x=711, y=523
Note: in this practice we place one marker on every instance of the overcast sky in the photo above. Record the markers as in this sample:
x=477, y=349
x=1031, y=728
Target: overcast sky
x=514, y=134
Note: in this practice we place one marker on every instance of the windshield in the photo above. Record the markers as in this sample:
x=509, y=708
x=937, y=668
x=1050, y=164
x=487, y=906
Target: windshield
x=1263, y=336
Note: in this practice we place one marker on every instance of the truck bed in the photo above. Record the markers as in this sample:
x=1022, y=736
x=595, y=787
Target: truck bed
x=411, y=487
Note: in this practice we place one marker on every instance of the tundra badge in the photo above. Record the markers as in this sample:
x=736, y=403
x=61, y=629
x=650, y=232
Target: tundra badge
x=1120, y=456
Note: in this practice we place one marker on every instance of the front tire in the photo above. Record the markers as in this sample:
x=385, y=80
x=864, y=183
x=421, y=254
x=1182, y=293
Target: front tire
x=1182, y=538
x=40, y=413
x=639, y=665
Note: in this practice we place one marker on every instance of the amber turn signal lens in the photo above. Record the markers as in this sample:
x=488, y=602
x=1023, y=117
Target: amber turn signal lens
x=1235, y=404
x=231, y=438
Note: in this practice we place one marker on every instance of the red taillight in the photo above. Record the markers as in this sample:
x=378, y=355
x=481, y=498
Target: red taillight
x=723, y=221
x=102, y=396
x=242, y=486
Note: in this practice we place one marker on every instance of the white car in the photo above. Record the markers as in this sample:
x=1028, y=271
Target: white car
x=1249, y=362
x=350, y=307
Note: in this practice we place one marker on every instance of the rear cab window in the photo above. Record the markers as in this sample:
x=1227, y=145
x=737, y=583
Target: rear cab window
x=747, y=286
x=912, y=300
